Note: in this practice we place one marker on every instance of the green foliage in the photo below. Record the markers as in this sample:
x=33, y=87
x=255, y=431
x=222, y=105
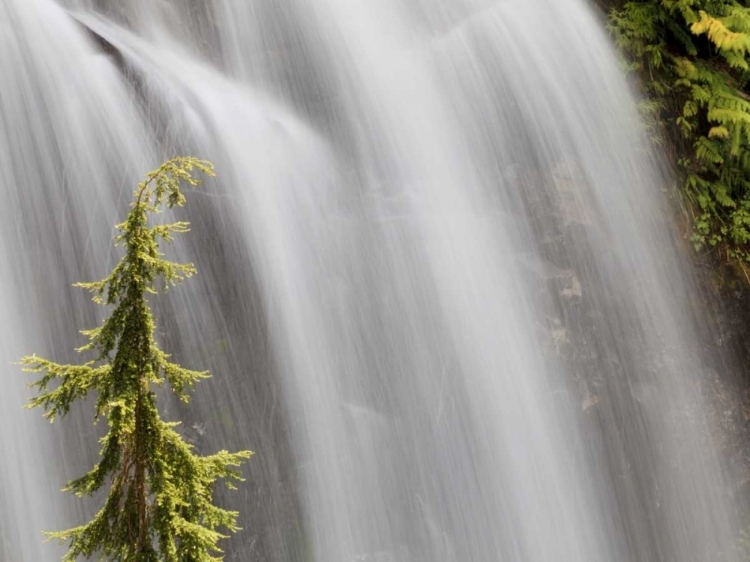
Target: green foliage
x=693, y=57
x=160, y=503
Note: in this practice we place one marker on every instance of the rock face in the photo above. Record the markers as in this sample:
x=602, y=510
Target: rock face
x=726, y=299
x=615, y=379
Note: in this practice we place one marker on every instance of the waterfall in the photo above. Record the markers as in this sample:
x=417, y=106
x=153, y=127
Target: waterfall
x=437, y=290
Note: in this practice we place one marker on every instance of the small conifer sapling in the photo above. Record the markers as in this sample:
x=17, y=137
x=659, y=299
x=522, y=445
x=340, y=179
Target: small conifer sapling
x=160, y=503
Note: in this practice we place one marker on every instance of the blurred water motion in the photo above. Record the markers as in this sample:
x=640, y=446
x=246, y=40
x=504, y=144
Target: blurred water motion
x=435, y=287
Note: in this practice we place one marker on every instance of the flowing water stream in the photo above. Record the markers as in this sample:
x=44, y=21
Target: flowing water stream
x=436, y=287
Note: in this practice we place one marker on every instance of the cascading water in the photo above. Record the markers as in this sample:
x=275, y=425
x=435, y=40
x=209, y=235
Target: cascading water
x=436, y=290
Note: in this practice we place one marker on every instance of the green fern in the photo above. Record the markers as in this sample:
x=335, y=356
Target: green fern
x=693, y=57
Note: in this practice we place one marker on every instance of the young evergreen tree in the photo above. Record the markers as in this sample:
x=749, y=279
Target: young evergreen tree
x=160, y=503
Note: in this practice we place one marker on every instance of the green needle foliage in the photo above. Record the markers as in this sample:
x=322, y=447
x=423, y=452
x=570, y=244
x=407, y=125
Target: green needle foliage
x=160, y=503
x=693, y=57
